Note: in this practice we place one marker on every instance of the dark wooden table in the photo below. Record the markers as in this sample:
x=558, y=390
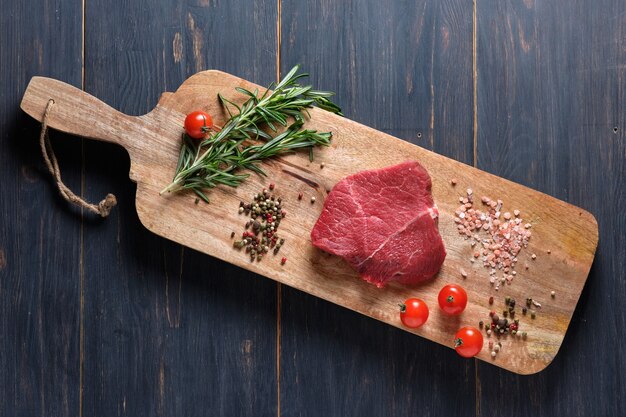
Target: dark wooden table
x=102, y=318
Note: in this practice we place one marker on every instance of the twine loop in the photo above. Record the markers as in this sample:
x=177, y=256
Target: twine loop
x=103, y=208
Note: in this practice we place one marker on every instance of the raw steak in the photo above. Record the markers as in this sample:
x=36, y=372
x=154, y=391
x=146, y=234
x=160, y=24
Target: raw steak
x=384, y=223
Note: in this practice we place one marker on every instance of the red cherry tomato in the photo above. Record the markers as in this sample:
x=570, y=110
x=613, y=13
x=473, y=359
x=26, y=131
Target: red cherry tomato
x=197, y=124
x=452, y=299
x=468, y=342
x=413, y=313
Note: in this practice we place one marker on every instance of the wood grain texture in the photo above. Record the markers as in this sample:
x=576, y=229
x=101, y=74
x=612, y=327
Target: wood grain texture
x=169, y=331
x=551, y=91
x=569, y=232
x=39, y=235
x=404, y=68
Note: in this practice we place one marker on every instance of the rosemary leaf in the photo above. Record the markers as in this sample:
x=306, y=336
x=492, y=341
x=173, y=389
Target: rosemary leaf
x=216, y=159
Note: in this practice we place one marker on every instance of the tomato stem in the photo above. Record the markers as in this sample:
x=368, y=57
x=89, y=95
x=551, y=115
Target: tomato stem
x=402, y=307
x=458, y=342
x=450, y=299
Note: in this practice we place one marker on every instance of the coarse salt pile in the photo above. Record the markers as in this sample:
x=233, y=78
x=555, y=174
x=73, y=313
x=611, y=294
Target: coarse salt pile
x=497, y=237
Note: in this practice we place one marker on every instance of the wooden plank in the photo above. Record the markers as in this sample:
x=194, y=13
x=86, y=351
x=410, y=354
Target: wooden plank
x=404, y=68
x=39, y=236
x=170, y=331
x=551, y=83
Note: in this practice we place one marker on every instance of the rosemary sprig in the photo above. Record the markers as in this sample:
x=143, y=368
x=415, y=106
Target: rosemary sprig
x=215, y=160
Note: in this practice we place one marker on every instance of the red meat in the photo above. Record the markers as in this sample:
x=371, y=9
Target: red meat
x=384, y=224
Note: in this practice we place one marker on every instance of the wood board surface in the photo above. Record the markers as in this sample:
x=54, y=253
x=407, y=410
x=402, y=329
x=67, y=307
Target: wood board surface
x=567, y=232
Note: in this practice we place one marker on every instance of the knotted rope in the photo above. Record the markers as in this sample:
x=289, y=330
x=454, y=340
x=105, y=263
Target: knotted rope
x=103, y=208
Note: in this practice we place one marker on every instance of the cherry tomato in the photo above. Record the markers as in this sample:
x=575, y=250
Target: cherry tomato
x=452, y=299
x=197, y=123
x=413, y=313
x=468, y=342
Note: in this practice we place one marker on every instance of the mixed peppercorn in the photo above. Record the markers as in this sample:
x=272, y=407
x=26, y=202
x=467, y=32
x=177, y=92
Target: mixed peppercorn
x=261, y=232
x=506, y=323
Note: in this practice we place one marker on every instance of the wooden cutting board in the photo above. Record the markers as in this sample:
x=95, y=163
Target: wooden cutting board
x=569, y=233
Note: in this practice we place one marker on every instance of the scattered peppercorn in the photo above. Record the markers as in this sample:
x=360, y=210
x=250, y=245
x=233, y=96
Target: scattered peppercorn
x=533, y=314
x=322, y=165
x=524, y=310
x=272, y=186
x=553, y=294
x=312, y=199
x=232, y=235
x=300, y=196
x=481, y=324
x=490, y=300
x=283, y=260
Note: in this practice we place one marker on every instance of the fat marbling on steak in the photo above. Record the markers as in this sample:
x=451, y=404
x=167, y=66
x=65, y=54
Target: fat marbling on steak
x=384, y=224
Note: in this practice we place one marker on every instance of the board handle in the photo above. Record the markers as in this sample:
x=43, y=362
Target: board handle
x=76, y=112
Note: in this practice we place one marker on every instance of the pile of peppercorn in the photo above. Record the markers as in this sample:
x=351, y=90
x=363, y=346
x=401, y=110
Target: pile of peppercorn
x=502, y=325
x=266, y=212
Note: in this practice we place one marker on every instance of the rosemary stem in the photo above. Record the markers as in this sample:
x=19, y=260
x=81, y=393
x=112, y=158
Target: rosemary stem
x=217, y=159
x=173, y=186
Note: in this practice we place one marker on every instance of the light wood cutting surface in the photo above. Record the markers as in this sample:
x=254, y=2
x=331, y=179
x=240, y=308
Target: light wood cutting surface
x=152, y=140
